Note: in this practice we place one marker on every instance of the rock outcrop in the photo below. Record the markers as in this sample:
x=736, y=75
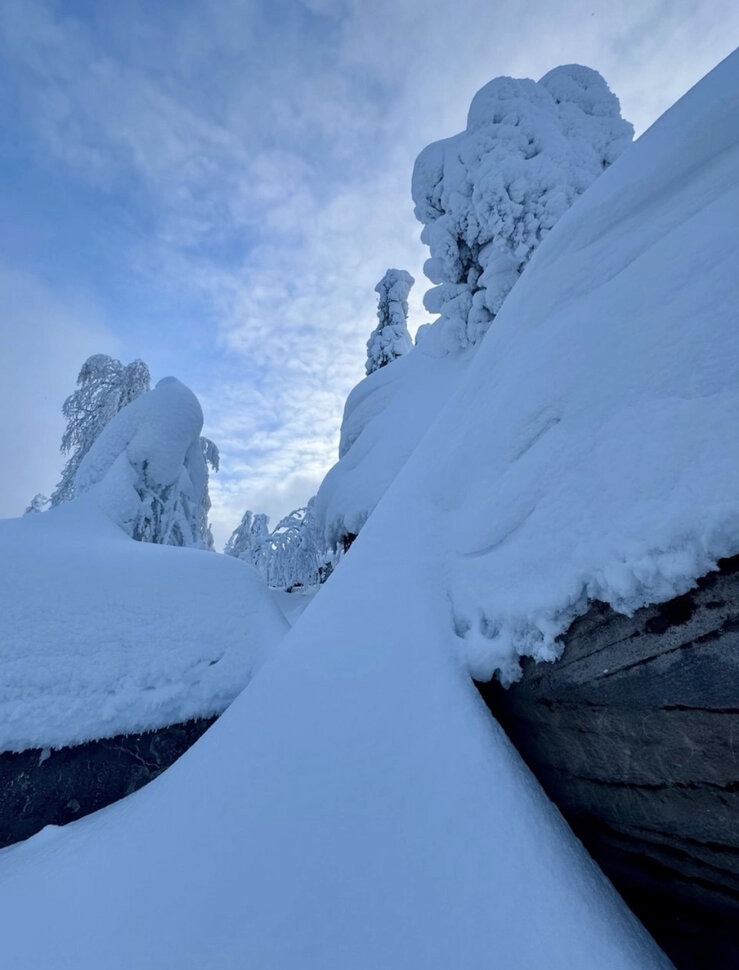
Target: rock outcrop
x=43, y=787
x=634, y=734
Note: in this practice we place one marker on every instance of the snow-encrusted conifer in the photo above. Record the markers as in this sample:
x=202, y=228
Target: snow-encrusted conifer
x=147, y=469
x=489, y=195
x=105, y=385
x=390, y=339
x=250, y=540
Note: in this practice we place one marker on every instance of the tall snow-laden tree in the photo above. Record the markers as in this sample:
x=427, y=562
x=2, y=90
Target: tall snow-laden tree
x=147, y=469
x=390, y=339
x=489, y=195
x=250, y=540
x=105, y=385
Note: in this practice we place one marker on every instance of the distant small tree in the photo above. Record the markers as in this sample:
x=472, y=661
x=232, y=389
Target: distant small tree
x=390, y=339
x=250, y=540
x=291, y=555
x=39, y=503
x=105, y=386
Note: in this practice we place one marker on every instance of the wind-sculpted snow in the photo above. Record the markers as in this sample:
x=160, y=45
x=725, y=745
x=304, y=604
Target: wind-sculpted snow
x=147, y=469
x=101, y=635
x=489, y=195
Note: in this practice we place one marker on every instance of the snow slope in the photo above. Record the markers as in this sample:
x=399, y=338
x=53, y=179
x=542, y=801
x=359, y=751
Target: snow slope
x=101, y=635
x=385, y=417
x=356, y=806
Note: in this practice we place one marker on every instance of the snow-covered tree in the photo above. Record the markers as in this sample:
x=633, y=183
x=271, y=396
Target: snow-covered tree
x=489, y=195
x=105, y=385
x=250, y=540
x=292, y=554
x=390, y=339
x=147, y=468
x=212, y=460
x=39, y=503
x=296, y=555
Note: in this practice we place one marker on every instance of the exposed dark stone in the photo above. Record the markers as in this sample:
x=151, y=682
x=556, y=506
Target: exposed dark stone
x=42, y=787
x=634, y=734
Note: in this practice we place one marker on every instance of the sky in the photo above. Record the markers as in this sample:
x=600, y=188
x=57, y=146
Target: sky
x=216, y=186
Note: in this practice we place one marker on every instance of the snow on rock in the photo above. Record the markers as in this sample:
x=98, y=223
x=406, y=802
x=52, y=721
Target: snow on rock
x=146, y=470
x=356, y=807
x=592, y=451
x=101, y=635
x=489, y=195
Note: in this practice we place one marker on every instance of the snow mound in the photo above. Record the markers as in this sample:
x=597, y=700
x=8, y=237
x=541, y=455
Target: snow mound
x=385, y=417
x=101, y=635
x=146, y=470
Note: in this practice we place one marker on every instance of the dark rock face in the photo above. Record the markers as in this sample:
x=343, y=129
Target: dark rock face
x=634, y=734
x=42, y=787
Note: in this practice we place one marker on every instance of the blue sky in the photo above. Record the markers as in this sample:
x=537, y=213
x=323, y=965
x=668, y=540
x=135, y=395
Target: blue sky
x=217, y=186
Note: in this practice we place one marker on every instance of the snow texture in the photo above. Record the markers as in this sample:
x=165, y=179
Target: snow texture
x=356, y=808
x=101, y=635
x=489, y=195
x=147, y=469
x=390, y=339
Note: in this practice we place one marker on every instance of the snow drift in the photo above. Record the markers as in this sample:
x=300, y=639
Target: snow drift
x=101, y=635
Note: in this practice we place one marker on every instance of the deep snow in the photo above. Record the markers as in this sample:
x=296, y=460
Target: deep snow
x=101, y=635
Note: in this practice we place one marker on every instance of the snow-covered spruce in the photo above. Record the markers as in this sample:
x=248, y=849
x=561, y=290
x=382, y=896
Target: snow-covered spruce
x=105, y=385
x=390, y=338
x=489, y=195
x=148, y=469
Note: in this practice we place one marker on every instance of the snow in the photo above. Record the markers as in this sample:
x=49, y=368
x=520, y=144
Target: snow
x=385, y=417
x=147, y=468
x=356, y=806
x=390, y=339
x=489, y=195
x=101, y=635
